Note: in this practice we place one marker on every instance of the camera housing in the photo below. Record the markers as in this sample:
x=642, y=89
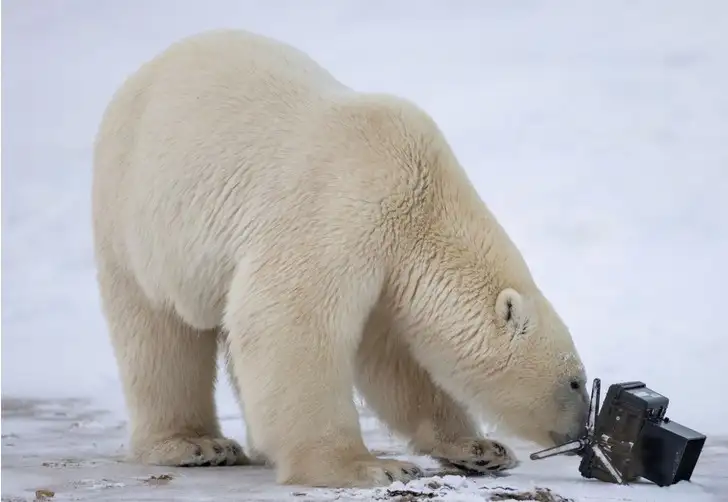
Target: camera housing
x=631, y=438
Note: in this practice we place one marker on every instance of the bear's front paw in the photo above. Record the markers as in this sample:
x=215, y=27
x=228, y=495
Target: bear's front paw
x=476, y=456
x=194, y=452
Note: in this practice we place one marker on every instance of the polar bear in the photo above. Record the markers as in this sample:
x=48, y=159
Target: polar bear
x=329, y=241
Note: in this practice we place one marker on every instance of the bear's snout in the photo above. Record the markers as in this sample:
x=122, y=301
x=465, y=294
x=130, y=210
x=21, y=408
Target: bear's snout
x=575, y=413
x=576, y=431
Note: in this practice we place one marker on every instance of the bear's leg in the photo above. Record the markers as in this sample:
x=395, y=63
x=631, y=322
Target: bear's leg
x=293, y=334
x=255, y=456
x=167, y=371
x=404, y=396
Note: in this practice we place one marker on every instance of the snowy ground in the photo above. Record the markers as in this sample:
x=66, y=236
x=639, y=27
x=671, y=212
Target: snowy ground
x=597, y=132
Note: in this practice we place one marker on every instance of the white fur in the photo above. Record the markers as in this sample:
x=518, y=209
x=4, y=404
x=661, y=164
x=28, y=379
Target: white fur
x=330, y=240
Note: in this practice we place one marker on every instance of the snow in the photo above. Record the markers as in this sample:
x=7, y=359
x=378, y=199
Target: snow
x=597, y=132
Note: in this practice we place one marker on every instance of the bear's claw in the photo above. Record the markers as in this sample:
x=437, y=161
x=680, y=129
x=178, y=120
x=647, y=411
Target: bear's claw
x=380, y=472
x=364, y=473
x=195, y=452
x=476, y=456
x=383, y=472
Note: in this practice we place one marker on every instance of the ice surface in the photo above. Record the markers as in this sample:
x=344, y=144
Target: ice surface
x=597, y=132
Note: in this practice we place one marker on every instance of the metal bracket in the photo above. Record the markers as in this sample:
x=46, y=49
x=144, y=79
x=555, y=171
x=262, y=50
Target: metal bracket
x=587, y=441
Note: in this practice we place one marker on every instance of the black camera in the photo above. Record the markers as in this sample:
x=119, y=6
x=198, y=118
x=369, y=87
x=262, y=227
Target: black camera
x=631, y=438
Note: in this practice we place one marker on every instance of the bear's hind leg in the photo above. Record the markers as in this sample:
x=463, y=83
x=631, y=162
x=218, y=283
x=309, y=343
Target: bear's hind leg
x=167, y=371
x=293, y=333
x=404, y=396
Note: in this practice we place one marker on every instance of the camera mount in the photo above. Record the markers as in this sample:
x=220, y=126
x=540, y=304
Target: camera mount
x=630, y=437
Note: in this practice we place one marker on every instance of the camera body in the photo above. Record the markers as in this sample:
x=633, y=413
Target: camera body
x=631, y=437
x=640, y=440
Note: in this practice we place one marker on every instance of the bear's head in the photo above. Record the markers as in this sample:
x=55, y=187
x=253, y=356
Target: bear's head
x=538, y=388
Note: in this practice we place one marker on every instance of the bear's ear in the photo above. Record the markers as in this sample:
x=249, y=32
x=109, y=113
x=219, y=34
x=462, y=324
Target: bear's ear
x=511, y=310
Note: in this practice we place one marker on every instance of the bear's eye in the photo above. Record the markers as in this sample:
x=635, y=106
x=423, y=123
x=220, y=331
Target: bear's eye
x=575, y=384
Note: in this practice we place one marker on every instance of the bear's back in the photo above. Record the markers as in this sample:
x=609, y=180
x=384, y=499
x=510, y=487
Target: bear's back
x=189, y=149
x=244, y=67
x=229, y=145
x=225, y=144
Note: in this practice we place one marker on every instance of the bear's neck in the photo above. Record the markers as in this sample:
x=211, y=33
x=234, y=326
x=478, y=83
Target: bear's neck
x=449, y=279
x=442, y=301
x=443, y=287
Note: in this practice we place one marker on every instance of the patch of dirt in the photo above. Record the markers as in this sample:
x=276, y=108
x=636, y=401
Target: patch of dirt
x=162, y=479
x=536, y=495
x=409, y=496
x=44, y=495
